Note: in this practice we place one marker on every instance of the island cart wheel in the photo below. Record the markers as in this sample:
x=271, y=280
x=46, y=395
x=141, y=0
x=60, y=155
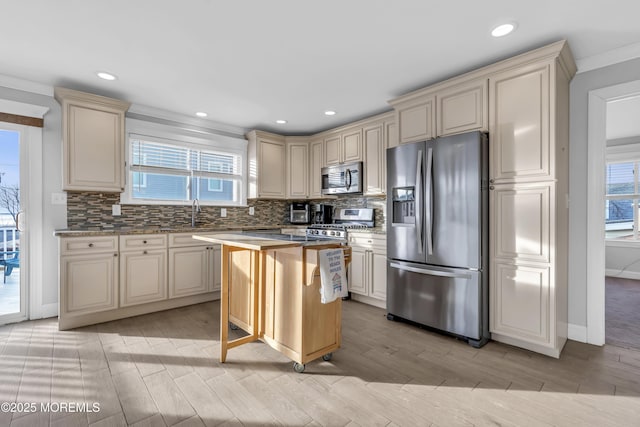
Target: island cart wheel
x=327, y=357
x=298, y=367
x=233, y=326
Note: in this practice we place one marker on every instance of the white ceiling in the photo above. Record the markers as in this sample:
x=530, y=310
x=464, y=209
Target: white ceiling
x=248, y=63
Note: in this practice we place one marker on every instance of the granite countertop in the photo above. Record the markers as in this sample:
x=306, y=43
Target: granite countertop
x=117, y=231
x=263, y=241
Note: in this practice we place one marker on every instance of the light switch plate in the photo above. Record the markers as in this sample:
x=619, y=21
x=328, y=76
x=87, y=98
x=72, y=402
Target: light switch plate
x=223, y=212
x=116, y=210
x=252, y=210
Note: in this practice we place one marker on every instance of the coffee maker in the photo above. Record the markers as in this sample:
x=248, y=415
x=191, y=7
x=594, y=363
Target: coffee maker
x=322, y=214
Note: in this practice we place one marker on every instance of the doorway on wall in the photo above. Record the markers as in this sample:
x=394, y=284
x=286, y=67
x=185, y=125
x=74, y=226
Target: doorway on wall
x=598, y=126
x=13, y=286
x=622, y=218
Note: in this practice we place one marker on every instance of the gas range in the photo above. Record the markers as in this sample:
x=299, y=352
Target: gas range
x=345, y=219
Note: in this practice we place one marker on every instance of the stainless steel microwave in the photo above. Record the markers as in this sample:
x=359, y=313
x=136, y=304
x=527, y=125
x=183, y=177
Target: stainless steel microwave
x=341, y=179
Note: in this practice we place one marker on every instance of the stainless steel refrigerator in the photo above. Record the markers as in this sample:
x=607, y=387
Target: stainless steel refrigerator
x=437, y=235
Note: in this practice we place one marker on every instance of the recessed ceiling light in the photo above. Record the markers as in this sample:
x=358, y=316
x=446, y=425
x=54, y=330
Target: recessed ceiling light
x=201, y=114
x=329, y=113
x=503, y=30
x=281, y=122
x=106, y=76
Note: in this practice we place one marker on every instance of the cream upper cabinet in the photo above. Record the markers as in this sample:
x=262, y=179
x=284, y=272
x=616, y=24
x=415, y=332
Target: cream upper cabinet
x=519, y=127
x=315, y=169
x=344, y=147
x=391, y=133
x=374, y=148
x=93, y=137
x=332, y=150
x=416, y=120
x=352, y=146
x=463, y=108
x=297, y=169
x=267, y=157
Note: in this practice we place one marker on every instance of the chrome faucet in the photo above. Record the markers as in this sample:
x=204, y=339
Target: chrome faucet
x=195, y=209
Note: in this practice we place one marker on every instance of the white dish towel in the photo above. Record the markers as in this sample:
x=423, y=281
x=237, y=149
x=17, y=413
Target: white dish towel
x=333, y=275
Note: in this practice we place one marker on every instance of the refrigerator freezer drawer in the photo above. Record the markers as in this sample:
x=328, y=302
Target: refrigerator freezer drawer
x=443, y=298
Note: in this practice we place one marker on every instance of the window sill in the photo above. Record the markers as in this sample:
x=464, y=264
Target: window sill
x=615, y=243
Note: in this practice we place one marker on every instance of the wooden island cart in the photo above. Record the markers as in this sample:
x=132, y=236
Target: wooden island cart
x=270, y=288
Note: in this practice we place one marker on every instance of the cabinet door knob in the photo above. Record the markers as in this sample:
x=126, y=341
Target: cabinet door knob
x=144, y=241
x=144, y=252
x=90, y=245
x=491, y=187
x=115, y=255
x=491, y=181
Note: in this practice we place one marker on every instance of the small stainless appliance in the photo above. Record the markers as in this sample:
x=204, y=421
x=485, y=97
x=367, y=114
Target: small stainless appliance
x=342, y=179
x=344, y=220
x=322, y=214
x=437, y=235
x=299, y=213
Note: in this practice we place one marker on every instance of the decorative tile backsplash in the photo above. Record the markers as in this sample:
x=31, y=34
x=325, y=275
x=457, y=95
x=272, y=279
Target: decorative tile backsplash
x=89, y=209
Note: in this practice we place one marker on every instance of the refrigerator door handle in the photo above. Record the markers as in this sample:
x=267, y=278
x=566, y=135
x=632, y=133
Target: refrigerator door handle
x=418, y=202
x=429, y=209
x=429, y=272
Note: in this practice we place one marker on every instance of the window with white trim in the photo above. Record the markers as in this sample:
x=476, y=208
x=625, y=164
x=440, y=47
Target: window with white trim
x=622, y=198
x=177, y=170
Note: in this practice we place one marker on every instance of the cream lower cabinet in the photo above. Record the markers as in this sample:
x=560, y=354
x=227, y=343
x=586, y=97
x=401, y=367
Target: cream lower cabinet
x=143, y=269
x=368, y=269
x=525, y=292
x=194, y=266
x=88, y=276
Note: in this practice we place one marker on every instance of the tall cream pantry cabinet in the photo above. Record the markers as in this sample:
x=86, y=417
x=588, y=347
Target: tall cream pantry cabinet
x=528, y=199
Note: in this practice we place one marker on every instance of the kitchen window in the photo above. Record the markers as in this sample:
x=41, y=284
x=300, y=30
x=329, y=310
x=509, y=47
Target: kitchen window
x=172, y=168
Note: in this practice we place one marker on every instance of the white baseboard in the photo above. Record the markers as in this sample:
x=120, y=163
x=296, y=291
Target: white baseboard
x=577, y=333
x=634, y=275
x=46, y=311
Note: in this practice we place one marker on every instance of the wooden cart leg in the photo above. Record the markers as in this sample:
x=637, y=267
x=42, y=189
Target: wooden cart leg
x=224, y=303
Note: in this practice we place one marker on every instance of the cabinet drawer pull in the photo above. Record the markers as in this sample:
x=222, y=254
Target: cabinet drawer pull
x=369, y=241
x=90, y=245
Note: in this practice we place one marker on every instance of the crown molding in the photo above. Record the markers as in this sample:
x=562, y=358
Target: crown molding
x=25, y=85
x=607, y=58
x=145, y=112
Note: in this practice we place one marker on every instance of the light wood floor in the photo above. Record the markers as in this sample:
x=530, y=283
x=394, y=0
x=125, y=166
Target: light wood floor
x=162, y=369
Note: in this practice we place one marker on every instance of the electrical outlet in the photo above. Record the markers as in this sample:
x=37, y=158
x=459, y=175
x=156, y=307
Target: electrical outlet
x=252, y=210
x=58, y=198
x=116, y=210
x=223, y=212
